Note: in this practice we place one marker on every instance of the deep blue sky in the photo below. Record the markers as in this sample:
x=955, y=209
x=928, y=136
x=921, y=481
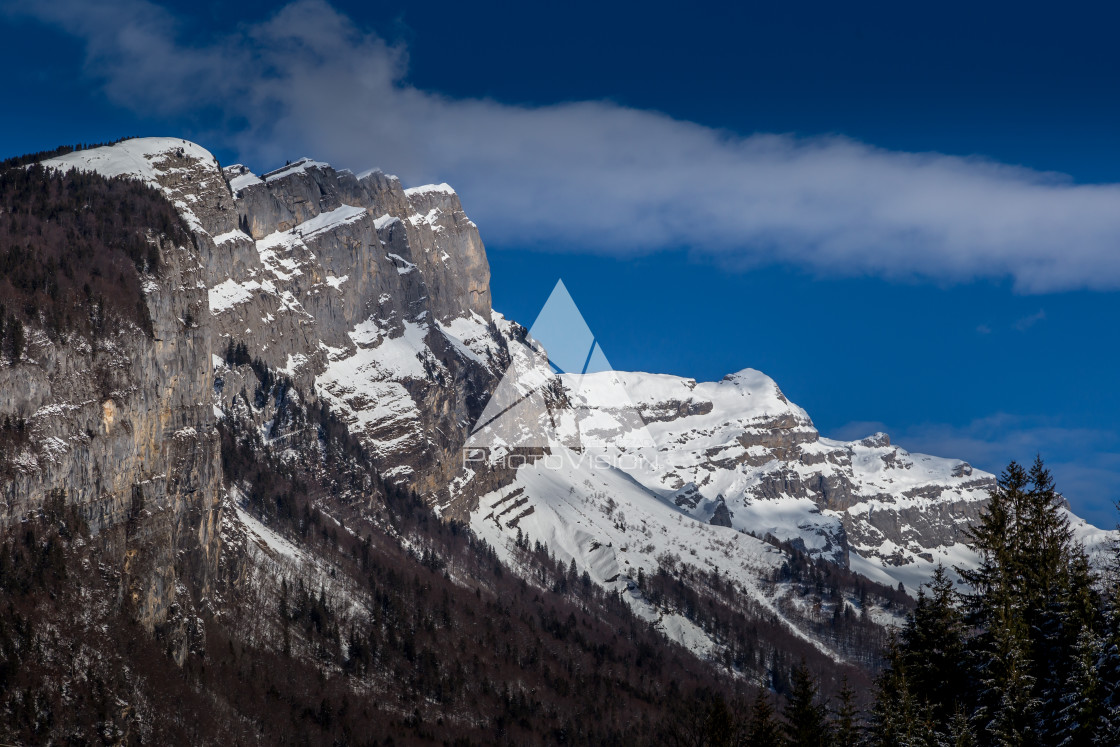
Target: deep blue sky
x=968, y=369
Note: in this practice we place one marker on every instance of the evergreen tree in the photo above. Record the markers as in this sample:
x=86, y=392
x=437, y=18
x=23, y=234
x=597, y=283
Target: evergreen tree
x=1032, y=597
x=1108, y=665
x=1058, y=601
x=845, y=729
x=960, y=732
x=1029, y=656
x=994, y=538
x=806, y=724
x=933, y=648
x=1080, y=715
x=1067, y=648
x=763, y=729
x=1010, y=711
x=899, y=718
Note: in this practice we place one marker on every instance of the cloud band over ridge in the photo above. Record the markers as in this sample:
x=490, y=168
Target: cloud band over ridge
x=597, y=176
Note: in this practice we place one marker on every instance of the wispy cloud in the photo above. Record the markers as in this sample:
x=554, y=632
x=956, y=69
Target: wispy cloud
x=1029, y=321
x=596, y=176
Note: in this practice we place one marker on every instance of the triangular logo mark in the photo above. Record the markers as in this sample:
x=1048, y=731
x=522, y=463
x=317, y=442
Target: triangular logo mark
x=560, y=390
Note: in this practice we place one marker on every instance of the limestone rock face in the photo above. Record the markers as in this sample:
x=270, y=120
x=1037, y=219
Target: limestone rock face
x=451, y=255
x=123, y=428
x=370, y=296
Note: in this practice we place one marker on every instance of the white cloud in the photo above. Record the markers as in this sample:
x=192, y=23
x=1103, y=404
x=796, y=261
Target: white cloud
x=595, y=176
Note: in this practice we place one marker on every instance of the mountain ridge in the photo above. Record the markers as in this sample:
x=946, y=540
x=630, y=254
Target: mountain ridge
x=375, y=300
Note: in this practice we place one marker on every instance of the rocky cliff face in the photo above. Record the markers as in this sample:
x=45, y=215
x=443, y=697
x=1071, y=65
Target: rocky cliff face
x=369, y=296
x=123, y=428
x=373, y=297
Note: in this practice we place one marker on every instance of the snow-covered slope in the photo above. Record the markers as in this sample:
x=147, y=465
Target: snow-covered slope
x=738, y=453
x=740, y=444
x=168, y=164
x=616, y=529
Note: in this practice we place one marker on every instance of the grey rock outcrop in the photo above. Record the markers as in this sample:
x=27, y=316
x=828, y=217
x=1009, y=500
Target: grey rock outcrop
x=369, y=296
x=123, y=428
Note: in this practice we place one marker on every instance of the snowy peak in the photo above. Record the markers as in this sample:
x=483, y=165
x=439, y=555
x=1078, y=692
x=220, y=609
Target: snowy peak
x=429, y=189
x=746, y=396
x=147, y=158
x=187, y=174
x=737, y=453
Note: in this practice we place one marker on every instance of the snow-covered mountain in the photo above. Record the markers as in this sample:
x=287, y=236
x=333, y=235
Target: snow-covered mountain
x=375, y=299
